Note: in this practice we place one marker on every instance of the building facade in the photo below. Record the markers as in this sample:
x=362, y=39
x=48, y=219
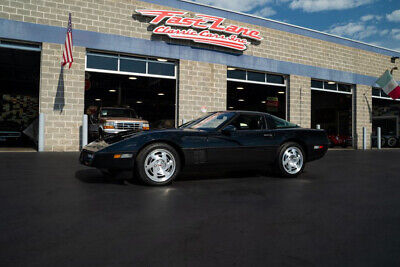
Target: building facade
x=307, y=77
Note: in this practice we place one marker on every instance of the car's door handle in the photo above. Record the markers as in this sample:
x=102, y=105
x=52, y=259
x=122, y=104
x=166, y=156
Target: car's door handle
x=268, y=135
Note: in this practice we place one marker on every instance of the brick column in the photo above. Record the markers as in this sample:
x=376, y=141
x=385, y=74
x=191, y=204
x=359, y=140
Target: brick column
x=363, y=114
x=62, y=97
x=201, y=85
x=299, y=100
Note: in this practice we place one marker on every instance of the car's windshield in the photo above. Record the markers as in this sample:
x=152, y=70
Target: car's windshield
x=209, y=122
x=118, y=113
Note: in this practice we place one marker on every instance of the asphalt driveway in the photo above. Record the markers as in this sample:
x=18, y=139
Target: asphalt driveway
x=343, y=211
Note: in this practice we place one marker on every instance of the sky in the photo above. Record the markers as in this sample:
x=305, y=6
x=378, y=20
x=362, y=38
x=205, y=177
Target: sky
x=375, y=22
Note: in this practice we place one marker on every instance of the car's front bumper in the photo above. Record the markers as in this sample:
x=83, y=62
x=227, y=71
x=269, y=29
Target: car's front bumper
x=314, y=154
x=107, y=160
x=114, y=131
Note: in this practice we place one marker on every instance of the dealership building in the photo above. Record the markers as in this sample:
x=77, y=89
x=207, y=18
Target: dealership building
x=173, y=60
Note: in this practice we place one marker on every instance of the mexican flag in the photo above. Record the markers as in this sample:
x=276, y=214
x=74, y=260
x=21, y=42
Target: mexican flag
x=389, y=85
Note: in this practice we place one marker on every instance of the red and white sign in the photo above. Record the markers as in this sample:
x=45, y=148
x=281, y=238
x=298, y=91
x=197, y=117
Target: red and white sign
x=202, y=29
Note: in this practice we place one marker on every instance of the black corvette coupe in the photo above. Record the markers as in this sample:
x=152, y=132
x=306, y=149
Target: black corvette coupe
x=231, y=139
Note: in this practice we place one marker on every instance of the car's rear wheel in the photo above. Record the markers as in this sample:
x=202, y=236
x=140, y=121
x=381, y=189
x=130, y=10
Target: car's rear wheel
x=158, y=164
x=291, y=160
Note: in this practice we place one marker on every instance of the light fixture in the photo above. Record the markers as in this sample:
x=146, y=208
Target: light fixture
x=239, y=88
x=230, y=107
x=162, y=59
x=112, y=90
x=241, y=100
x=160, y=94
x=264, y=102
x=132, y=78
x=139, y=102
x=331, y=82
x=230, y=68
x=281, y=92
x=97, y=99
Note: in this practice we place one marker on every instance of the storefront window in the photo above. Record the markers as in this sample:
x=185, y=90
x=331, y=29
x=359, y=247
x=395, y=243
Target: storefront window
x=237, y=74
x=271, y=78
x=132, y=65
x=344, y=87
x=330, y=86
x=102, y=62
x=135, y=65
x=256, y=91
x=255, y=76
x=162, y=68
x=331, y=109
x=386, y=115
x=376, y=92
x=19, y=95
x=317, y=84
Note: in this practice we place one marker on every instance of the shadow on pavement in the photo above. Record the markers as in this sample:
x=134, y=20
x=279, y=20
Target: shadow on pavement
x=93, y=176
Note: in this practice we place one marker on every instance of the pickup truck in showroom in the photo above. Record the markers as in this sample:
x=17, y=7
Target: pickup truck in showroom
x=113, y=120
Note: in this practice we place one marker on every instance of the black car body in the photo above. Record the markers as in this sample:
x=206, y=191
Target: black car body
x=224, y=146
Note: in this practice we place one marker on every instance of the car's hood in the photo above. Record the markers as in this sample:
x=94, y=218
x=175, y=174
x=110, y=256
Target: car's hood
x=107, y=141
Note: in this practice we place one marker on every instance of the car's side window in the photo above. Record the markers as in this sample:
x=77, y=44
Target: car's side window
x=281, y=123
x=249, y=122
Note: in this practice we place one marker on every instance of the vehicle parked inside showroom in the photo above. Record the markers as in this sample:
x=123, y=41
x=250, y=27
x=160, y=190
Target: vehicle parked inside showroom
x=10, y=132
x=389, y=131
x=226, y=139
x=386, y=141
x=114, y=120
x=340, y=140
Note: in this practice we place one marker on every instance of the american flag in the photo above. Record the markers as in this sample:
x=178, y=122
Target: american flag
x=67, y=54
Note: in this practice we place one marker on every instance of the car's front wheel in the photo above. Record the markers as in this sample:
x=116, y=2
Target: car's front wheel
x=291, y=160
x=158, y=164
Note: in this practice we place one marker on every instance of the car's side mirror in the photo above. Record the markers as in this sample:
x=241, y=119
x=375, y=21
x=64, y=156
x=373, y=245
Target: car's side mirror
x=229, y=130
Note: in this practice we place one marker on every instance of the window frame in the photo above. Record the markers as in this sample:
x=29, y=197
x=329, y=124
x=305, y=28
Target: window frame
x=380, y=95
x=256, y=82
x=130, y=57
x=331, y=90
x=249, y=130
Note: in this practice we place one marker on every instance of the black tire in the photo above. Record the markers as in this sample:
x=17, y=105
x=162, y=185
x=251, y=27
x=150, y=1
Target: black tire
x=282, y=171
x=141, y=161
x=392, y=142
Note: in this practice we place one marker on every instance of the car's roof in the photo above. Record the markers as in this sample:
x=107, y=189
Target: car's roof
x=244, y=111
x=115, y=108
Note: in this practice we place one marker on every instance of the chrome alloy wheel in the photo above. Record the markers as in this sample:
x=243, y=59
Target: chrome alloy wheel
x=292, y=160
x=159, y=165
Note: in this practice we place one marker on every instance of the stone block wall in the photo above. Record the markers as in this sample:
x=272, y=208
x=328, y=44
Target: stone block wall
x=201, y=86
x=299, y=100
x=62, y=97
x=115, y=17
x=362, y=101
